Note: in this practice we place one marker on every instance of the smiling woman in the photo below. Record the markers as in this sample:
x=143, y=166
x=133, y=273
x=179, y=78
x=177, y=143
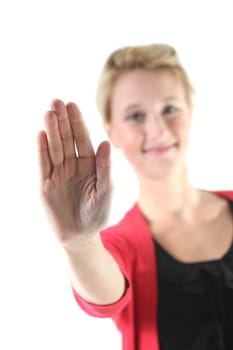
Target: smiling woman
x=164, y=272
x=158, y=124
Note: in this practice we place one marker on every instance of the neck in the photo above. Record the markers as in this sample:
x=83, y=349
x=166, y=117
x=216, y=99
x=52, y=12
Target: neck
x=166, y=199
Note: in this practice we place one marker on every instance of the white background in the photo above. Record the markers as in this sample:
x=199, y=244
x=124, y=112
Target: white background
x=54, y=49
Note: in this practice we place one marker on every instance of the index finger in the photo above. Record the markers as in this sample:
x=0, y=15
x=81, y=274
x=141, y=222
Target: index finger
x=80, y=131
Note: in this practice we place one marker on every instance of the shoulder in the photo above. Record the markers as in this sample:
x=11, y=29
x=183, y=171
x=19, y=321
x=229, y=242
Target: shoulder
x=126, y=225
x=118, y=240
x=215, y=204
x=228, y=194
x=130, y=242
x=131, y=232
x=128, y=234
x=217, y=198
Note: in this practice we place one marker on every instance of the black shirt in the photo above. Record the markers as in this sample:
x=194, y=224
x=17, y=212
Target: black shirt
x=195, y=302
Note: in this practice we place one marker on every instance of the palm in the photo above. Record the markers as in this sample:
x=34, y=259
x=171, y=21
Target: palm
x=75, y=188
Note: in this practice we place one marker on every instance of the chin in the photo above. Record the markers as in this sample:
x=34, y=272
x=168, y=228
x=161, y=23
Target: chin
x=162, y=172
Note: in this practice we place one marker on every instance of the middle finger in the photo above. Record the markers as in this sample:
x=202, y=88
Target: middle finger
x=64, y=128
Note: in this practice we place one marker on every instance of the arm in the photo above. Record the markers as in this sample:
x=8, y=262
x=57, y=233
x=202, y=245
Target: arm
x=94, y=273
x=76, y=188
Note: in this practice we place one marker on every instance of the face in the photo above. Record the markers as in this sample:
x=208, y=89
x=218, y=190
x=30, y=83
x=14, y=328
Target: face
x=150, y=121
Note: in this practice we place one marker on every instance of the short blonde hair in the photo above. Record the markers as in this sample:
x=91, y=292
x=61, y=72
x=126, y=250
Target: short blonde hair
x=149, y=57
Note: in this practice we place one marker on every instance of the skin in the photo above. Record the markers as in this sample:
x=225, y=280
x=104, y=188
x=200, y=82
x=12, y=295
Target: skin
x=150, y=123
x=76, y=191
x=149, y=111
x=68, y=179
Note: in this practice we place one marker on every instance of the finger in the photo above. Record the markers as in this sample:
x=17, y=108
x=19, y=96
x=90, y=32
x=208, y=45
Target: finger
x=103, y=167
x=64, y=127
x=43, y=156
x=54, y=139
x=80, y=131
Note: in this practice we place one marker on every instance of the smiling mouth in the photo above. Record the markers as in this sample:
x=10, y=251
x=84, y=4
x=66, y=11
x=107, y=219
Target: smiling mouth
x=160, y=149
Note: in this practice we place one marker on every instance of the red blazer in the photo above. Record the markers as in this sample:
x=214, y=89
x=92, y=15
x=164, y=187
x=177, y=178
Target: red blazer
x=135, y=314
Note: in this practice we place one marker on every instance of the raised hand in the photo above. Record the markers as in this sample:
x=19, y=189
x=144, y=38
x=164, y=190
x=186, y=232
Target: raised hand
x=75, y=182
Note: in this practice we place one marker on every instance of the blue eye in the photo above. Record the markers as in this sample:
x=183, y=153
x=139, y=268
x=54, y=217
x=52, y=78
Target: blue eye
x=135, y=116
x=170, y=110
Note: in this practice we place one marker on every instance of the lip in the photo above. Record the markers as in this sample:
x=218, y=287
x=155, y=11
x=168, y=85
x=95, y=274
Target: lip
x=160, y=149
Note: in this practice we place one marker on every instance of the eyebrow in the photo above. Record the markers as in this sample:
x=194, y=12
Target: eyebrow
x=169, y=98
x=136, y=105
x=131, y=107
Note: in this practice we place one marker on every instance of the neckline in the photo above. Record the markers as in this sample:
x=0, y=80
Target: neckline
x=193, y=263
x=228, y=195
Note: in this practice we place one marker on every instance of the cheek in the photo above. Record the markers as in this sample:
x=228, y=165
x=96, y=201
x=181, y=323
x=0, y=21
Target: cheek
x=124, y=138
x=181, y=126
x=128, y=140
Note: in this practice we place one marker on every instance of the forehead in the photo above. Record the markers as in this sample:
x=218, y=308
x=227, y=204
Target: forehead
x=138, y=85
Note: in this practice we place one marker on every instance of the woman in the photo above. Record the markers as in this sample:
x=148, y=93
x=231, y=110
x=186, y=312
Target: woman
x=164, y=273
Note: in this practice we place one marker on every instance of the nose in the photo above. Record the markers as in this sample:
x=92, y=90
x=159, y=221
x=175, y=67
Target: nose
x=156, y=127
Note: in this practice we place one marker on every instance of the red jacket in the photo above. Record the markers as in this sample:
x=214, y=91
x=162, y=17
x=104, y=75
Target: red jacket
x=135, y=314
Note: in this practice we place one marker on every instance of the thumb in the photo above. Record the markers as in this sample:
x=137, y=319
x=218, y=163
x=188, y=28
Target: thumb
x=103, y=167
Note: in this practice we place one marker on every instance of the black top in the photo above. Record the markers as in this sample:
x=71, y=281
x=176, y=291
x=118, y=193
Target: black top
x=195, y=302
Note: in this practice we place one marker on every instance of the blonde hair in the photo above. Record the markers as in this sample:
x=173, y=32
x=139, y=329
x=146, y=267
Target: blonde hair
x=149, y=57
